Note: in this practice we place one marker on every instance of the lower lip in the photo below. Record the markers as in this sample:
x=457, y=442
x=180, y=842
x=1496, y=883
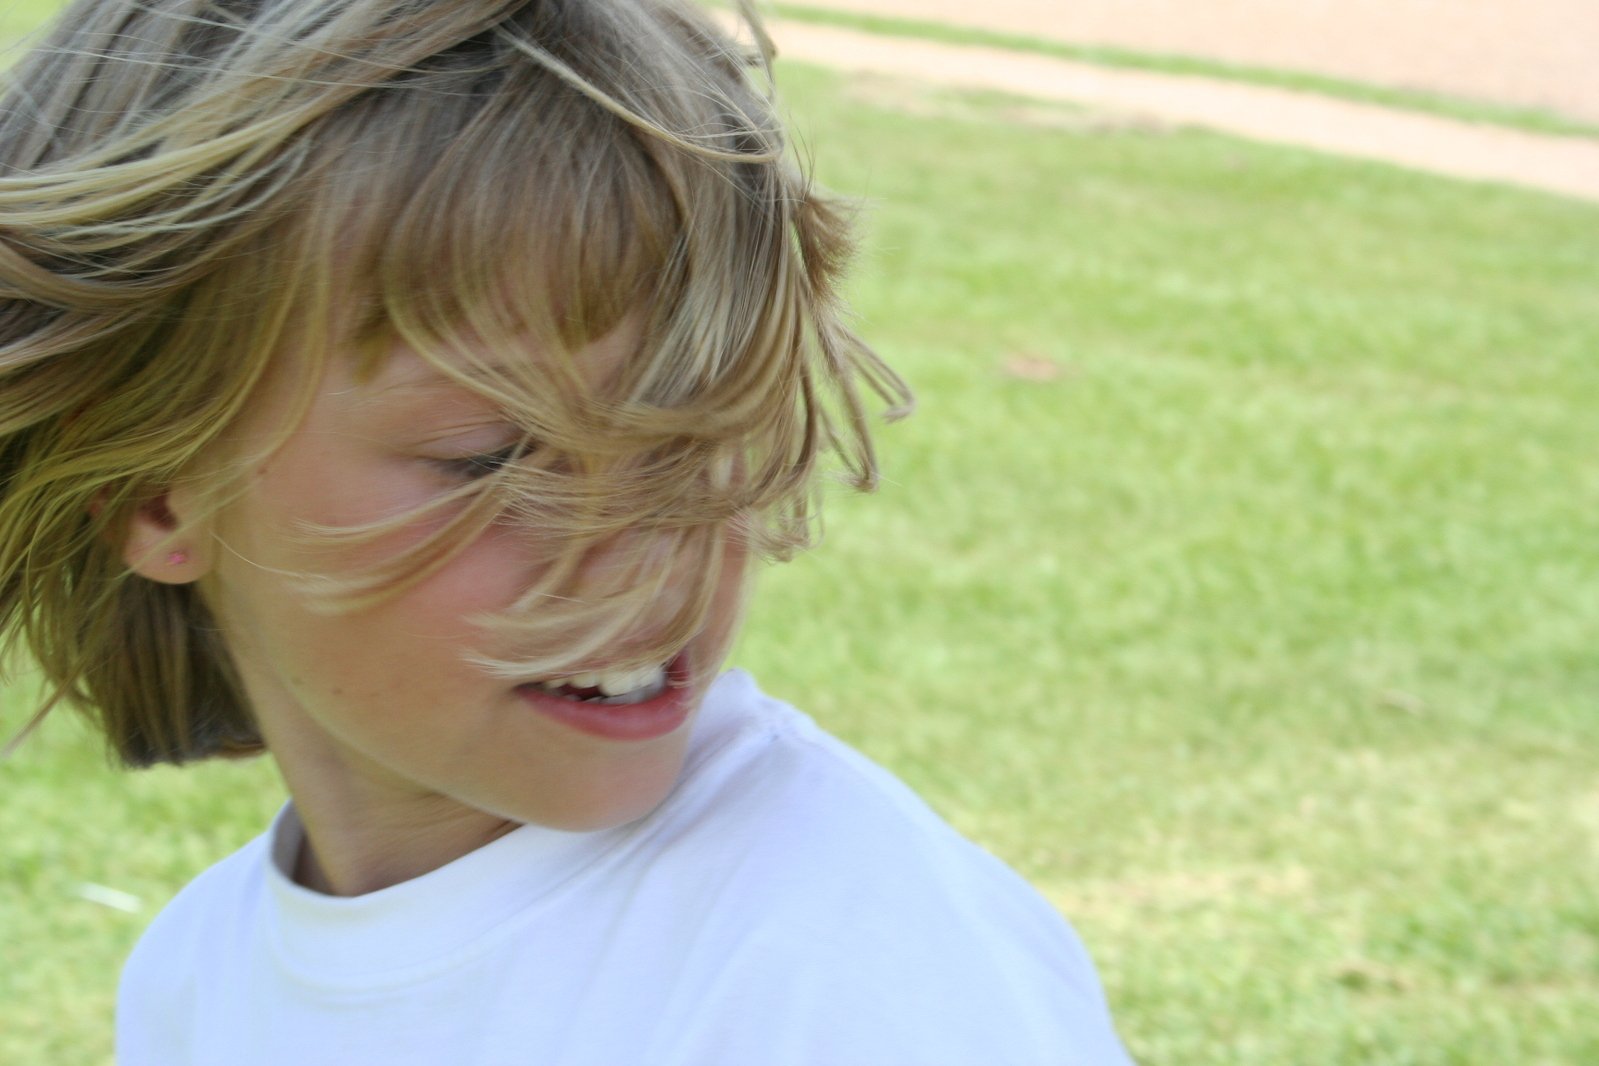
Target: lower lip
x=646, y=720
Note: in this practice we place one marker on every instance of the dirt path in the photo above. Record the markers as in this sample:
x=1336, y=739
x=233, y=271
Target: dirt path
x=1564, y=165
x=1537, y=53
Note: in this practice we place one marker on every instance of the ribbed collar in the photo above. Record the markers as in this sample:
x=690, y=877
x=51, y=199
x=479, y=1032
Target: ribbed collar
x=413, y=929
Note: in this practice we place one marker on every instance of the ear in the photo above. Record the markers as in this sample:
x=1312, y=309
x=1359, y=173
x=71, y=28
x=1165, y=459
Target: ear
x=165, y=542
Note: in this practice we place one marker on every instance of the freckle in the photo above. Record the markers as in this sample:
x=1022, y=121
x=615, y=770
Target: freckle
x=337, y=691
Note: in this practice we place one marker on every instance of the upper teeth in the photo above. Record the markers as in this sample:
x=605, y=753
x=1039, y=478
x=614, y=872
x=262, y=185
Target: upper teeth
x=616, y=682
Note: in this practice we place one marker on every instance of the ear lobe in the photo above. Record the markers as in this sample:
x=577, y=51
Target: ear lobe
x=160, y=545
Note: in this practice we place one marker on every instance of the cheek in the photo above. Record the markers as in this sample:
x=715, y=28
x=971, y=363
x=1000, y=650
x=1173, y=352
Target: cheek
x=274, y=526
x=442, y=612
x=415, y=641
x=732, y=591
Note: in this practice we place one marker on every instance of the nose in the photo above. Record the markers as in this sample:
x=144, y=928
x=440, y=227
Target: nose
x=657, y=578
x=625, y=560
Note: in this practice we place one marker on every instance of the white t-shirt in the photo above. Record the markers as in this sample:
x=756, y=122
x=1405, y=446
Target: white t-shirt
x=790, y=904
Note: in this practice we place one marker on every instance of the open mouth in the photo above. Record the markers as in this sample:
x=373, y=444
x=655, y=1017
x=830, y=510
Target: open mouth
x=618, y=704
x=612, y=687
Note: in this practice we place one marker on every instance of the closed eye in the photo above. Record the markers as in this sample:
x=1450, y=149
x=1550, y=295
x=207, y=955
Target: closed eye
x=477, y=466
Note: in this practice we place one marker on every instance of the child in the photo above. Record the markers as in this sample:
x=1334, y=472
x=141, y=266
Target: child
x=403, y=388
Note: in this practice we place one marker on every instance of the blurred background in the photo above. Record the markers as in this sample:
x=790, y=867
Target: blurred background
x=1238, y=578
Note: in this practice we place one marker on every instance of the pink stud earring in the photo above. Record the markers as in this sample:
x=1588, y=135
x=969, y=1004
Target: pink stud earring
x=177, y=558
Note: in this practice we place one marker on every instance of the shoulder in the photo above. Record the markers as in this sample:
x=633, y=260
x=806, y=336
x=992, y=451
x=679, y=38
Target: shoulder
x=871, y=923
x=763, y=780
x=771, y=785
x=199, y=919
x=179, y=953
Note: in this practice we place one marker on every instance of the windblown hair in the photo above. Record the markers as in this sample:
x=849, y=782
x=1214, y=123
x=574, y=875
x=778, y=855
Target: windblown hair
x=198, y=197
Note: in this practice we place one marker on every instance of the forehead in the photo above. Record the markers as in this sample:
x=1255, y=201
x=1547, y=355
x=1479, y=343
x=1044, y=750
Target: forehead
x=401, y=369
x=393, y=389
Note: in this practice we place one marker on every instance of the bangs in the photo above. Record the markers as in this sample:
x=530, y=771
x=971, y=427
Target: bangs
x=504, y=206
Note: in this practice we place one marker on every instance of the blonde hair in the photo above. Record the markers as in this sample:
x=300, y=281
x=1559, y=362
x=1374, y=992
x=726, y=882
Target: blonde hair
x=199, y=195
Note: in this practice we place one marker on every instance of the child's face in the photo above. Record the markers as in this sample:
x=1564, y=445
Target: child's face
x=378, y=713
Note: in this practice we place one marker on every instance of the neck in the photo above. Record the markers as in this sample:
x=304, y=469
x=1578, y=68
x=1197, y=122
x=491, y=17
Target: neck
x=362, y=839
x=349, y=856
x=365, y=829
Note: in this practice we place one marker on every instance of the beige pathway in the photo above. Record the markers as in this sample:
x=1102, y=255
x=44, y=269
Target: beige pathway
x=1564, y=165
x=1536, y=53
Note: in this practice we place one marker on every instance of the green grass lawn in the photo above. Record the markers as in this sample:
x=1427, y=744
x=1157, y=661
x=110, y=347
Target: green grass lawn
x=1237, y=582
x=19, y=17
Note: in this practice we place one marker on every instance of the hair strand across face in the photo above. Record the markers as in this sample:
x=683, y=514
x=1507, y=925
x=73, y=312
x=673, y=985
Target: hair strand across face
x=204, y=199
